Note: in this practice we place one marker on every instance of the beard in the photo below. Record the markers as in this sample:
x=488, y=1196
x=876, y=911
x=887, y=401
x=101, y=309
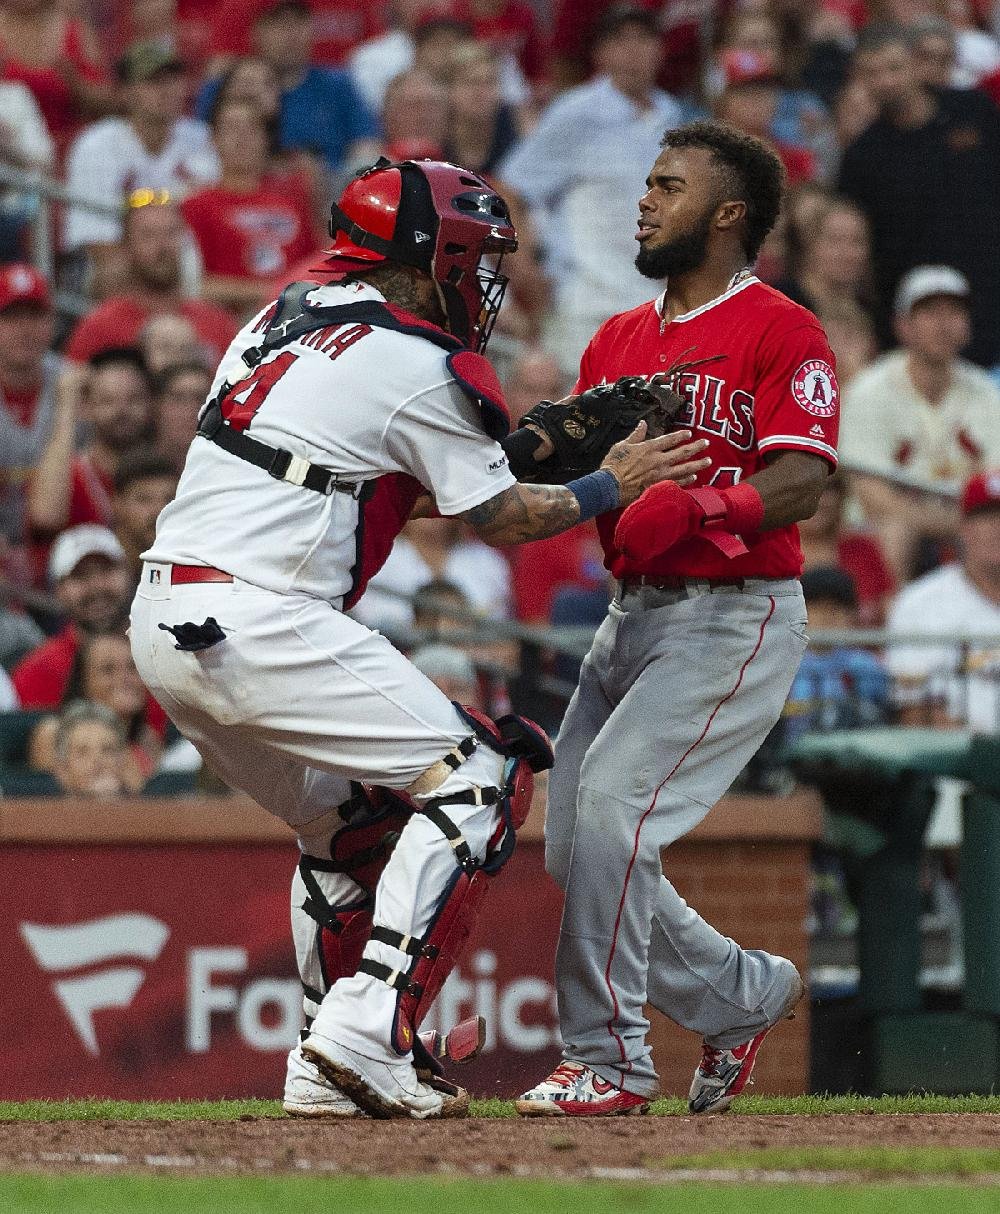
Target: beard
x=684, y=253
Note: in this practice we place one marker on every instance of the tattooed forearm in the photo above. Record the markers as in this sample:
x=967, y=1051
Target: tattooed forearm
x=524, y=512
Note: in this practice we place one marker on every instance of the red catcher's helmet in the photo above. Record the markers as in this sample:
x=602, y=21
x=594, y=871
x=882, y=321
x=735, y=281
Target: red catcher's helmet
x=435, y=216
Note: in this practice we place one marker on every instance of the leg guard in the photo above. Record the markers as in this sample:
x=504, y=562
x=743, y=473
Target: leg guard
x=526, y=749
x=360, y=849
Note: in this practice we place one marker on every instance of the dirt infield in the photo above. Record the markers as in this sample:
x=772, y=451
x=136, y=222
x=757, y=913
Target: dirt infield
x=487, y=1147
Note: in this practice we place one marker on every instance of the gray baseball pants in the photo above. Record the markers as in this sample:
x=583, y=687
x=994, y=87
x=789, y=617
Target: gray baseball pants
x=679, y=690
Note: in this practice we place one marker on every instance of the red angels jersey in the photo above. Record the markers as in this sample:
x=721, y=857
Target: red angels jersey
x=774, y=390
x=382, y=408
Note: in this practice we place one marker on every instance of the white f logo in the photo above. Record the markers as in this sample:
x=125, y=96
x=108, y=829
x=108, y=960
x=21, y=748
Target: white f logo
x=75, y=945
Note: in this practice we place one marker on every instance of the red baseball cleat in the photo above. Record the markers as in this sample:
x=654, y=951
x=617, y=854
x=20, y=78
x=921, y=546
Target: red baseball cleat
x=574, y=1090
x=723, y=1074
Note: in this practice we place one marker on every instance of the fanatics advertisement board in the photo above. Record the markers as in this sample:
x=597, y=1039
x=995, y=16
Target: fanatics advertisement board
x=166, y=971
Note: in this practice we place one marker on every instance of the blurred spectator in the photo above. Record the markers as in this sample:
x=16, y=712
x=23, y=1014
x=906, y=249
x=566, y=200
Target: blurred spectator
x=955, y=683
x=835, y=261
x=57, y=57
x=144, y=483
x=430, y=548
x=381, y=59
x=25, y=144
x=19, y=634
x=976, y=52
x=921, y=411
x=440, y=607
x=534, y=376
x=917, y=173
x=153, y=238
x=415, y=117
x=763, y=37
x=583, y=167
x=253, y=82
x=92, y=586
x=113, y=395
x=165, y=340
x=104, y=673
x=481, y=127
x=543, y=569
x=28, y=374
x=179, y=391
x=827, y=543
x=321, y=110
x=510, y=29
x=90, y=756
x=152, y=147
x=337, y=26
x=934, y=51
x=851, y=334
x=248, y=227
x=749, y=102
x=854, y=111
x=839, y=686
x=682, y=27
x=451, y=670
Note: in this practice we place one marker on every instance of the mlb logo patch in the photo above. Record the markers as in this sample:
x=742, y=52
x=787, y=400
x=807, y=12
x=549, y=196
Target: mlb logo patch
x=154, y=577
x=815, y=388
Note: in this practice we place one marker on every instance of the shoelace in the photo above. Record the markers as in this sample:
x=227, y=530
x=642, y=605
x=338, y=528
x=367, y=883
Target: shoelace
x=566, y=1074
x=710, y=1059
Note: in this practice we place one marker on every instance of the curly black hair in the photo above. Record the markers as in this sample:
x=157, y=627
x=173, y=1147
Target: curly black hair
x=755, y=174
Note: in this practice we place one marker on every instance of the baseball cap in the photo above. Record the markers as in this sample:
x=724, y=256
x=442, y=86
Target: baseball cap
x=981, y=492
x=747, y=67
x=927, y=281
x=89, y=539
x=21, y=283
x=146, y=59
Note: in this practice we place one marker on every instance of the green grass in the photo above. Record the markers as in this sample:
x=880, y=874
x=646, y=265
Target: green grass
x=159, y=1195
x=234, y=1110
x=882, y=1161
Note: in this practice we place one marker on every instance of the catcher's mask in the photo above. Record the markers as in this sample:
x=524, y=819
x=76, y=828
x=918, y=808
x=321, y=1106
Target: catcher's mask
x=437, y=217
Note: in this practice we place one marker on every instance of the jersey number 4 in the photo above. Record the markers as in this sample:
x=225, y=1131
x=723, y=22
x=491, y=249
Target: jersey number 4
x=243, y=400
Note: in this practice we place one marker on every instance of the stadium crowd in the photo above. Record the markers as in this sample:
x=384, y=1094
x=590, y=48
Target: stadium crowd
x=200, y=142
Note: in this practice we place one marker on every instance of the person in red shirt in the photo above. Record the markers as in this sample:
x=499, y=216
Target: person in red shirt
x=113, y=394
x=153, y=234
x=691, y=668
x=338, y=25
x=510, y=28
x=249, y=228
x=91, y=582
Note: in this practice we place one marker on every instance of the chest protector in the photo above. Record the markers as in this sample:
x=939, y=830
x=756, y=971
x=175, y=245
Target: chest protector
x=384, y=503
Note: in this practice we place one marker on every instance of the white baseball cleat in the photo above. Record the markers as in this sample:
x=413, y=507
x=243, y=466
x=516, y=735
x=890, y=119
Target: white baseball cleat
x=574, y=1090
x=309, y=1094
x=723, y=1074
x=383, y=1087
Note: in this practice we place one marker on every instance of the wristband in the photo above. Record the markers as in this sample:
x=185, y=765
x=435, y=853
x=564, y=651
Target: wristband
x=744, y=508
x=597, y=493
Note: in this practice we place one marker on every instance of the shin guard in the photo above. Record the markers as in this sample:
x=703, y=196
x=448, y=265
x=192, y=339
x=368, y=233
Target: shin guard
x=526, y=749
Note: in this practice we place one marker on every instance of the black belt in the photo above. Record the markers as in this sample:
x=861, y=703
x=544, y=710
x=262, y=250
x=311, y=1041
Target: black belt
x=630, y=584
x=275, y=461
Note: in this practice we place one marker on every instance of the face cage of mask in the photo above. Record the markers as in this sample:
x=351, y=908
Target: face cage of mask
x=492, y=288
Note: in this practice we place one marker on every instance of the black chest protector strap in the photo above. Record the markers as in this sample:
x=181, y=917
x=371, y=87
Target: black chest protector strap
x=293, y=318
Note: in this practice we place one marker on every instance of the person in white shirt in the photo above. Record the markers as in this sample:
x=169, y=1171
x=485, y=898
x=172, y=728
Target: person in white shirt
x=955, y=683
x=919, y=412
x=153, y=147
x=580, y=171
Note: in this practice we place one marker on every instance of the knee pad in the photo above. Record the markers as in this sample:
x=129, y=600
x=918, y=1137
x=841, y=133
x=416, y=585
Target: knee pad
x=526, y=750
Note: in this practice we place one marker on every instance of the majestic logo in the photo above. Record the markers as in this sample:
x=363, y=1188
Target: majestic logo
x=814, y=386
x=74, y=946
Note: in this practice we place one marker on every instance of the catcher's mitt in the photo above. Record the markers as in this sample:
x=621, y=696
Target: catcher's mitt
x=584, y=428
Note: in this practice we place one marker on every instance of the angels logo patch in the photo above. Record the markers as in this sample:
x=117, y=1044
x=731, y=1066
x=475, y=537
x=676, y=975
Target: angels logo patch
x=815, y=388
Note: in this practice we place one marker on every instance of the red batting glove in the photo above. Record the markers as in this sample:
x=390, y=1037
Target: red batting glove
x=660, y=517
x=666, y=514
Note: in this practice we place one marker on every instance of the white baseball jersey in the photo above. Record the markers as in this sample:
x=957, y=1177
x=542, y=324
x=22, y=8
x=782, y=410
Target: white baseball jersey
x=366, y=402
